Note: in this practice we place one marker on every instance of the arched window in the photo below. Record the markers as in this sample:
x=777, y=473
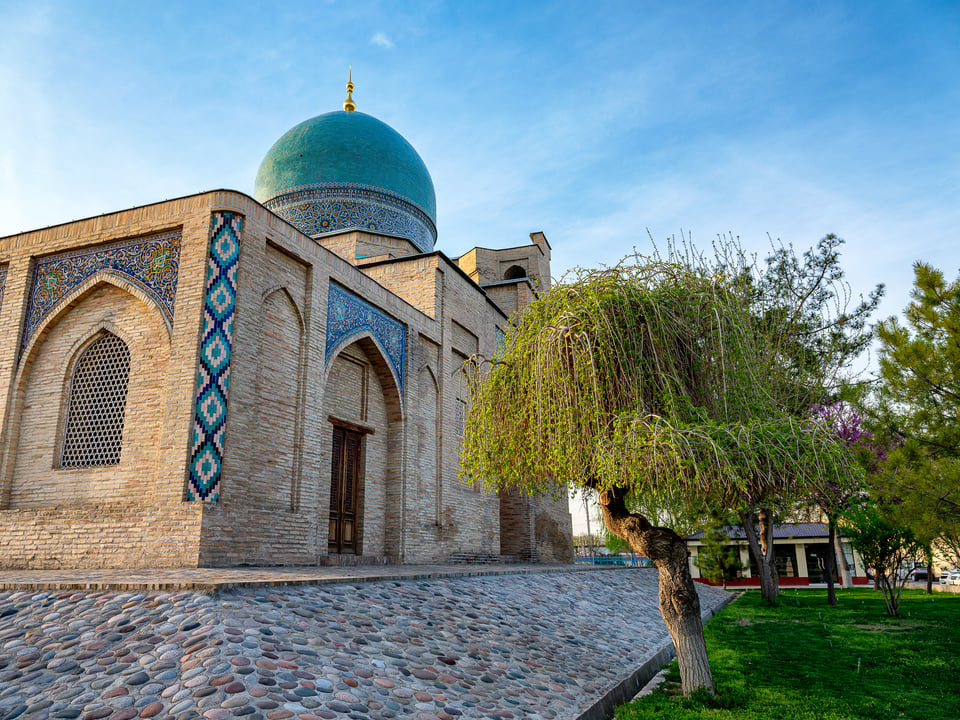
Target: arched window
x=514, y=272
x=98, y=397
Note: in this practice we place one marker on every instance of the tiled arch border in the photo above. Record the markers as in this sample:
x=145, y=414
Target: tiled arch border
x=152, y=263
x=350, y=316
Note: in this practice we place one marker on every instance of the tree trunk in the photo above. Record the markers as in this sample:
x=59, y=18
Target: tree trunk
x=761, y=547
x=846, y=577
x=831, y=537
x=679, y=602
x=891, y=596
x=765, y=517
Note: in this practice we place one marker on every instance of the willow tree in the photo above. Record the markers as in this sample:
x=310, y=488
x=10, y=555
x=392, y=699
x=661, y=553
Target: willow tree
x=652, y=377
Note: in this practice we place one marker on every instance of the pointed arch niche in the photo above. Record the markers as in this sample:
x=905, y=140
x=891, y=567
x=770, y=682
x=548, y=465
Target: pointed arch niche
x=362, y=406
x=276, y=466
x=33, y=474
x=429, y=495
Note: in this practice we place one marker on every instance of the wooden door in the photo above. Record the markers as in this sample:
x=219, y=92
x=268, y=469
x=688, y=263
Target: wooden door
x=344, y=491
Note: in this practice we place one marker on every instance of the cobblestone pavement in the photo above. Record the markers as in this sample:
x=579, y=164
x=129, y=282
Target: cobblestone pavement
x=539, y=645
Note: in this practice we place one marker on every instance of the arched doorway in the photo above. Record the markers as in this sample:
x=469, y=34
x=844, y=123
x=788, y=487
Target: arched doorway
x=360, y=490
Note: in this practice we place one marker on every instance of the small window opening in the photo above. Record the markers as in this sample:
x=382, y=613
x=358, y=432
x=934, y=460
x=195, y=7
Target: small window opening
x=514, y=272
x=98, y=397
x=461, y=419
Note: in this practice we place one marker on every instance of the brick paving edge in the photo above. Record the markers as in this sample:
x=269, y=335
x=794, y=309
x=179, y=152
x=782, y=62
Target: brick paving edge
x=625, y=690
x=212, y=587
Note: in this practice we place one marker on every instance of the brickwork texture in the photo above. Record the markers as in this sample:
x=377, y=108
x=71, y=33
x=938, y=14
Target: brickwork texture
x=285, y=398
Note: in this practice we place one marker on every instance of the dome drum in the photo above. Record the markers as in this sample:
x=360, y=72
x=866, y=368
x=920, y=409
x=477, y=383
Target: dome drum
x=334, y=207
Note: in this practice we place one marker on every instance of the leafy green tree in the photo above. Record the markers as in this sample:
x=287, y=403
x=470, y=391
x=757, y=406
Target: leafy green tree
x=719, y=558
x=918, y=407
x=654, y=377
x=885, y=545
x=805, y=308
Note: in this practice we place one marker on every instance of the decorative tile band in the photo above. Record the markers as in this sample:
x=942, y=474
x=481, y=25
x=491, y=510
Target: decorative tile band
x=325, y=209
x=213, y=374
x=396, y=199
x=152, y=263
x=3, y=282
x=349, y=315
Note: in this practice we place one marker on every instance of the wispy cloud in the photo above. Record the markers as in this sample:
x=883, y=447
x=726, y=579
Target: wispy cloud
x=380, y=39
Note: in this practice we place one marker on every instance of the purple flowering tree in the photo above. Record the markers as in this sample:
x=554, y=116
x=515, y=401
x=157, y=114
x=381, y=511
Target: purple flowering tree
x=833, y=497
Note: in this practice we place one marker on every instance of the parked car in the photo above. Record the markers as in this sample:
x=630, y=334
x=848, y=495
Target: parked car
x=955, y=577
x=945, y=576
x=919, y=575
x=906, y=571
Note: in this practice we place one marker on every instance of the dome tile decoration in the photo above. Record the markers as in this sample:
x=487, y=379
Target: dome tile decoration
x=334, y=207
x=346, y=170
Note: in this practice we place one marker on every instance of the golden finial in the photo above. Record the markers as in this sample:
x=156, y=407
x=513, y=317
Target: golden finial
x=348, y=103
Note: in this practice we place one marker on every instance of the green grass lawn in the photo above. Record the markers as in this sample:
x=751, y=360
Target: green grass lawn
x=804, y=659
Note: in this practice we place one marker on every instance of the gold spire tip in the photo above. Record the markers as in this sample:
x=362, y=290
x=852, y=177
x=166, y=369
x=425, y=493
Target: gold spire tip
x=348, y=104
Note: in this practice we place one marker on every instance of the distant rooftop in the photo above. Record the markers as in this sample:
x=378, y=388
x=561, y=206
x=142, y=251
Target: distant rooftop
x=780, y=532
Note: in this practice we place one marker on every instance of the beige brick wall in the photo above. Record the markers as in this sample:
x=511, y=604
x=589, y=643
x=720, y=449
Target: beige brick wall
x=276, y=467
x=418, y=281
x=133, y=535
x=37, y=480
x=486, y=265
x=135, y=516
x=356, y=247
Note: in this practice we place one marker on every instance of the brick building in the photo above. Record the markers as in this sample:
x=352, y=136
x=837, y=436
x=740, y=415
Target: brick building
x=222, y=380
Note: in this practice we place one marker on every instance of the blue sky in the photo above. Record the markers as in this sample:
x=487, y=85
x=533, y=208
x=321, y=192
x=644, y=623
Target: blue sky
x=595, y=122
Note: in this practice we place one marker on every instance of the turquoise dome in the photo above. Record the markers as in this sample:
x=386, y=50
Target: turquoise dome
x=344, y=170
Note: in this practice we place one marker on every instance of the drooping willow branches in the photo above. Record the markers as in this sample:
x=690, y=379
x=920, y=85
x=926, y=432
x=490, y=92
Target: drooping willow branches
x=665, y=376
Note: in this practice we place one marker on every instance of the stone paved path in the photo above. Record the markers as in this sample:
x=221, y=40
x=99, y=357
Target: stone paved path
x=543, y=645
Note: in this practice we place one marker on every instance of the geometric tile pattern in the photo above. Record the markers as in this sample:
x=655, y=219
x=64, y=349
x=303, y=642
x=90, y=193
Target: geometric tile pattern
x=348, y=315
x=213, y=373
x=3, y=282
x=331, y=207
x=152, y=263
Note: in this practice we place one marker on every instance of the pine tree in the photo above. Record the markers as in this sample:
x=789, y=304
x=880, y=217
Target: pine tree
x=918, y=408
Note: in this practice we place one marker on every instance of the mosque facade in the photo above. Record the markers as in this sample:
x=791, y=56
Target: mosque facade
x=222, y=380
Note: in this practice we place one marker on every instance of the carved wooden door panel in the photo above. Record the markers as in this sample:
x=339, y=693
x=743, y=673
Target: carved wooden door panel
x=344, y=487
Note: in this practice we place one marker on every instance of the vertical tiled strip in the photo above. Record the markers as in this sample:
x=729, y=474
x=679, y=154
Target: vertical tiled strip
x=213, y=373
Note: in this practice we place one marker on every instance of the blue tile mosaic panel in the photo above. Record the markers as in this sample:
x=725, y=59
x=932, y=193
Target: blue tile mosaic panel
x=320, y=209
x=348, y=316
x=152, y=263
x=3, y=282
x=213, y=372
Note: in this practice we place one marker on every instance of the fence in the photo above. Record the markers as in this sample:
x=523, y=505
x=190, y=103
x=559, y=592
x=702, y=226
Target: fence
x=622, y=560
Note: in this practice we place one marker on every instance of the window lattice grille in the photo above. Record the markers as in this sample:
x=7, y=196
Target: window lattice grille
x=98, y=398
